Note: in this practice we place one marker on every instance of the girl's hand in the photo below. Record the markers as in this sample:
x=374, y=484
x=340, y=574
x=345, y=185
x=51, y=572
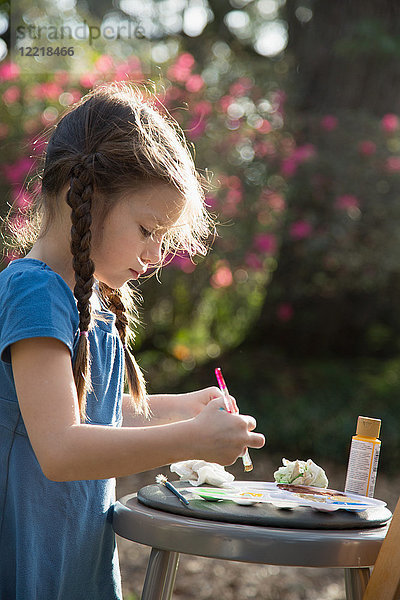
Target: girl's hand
x=223, y=437
x=191, y=404
x=170, y=408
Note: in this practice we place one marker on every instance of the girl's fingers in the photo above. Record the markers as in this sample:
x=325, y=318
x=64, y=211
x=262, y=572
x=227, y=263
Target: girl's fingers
x=256, y=440
x=218, y=403
x=233, y=400
x=251, y=422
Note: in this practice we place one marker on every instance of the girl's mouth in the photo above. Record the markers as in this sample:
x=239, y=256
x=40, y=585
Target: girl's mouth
x=135, y=274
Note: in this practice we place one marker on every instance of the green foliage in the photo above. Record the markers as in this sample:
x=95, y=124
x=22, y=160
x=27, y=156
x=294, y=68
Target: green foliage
x=309, y=408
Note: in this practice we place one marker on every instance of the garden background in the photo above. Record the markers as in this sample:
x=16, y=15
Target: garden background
x=291, y=109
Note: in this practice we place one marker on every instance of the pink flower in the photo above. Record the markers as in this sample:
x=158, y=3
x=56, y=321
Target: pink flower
x=16, y=172
x=303, y=153
x=104, y=63
x=393, y=164
x=329, y=122
x=367, y=148
x=289, y=167
x=8, y=71
x=88, y=80
x=181, y=69
x=225, y=102
x=211, y=202
x=276, y=202
x=265, y=242
x=229, y=205
x=260, y=149
x=23, y=199
x=186, y=60
x=12, y=94
x=222, y=277
x=346, y=201
x=285, y=312
x=390, y=123
x=194, y=83
x=241, y=86
x=297, y=156
x=300, y=230
x=76, y=95
x=254, y=261
x=130, y=69
x=264, y=127
x=50, y=90
x=183, y=262
x=172, y=94
x=278, y=98
x=196, y=128
x=202, y=108
x=234, y=182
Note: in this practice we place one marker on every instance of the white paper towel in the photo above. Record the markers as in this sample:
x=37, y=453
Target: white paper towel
x=198, y=472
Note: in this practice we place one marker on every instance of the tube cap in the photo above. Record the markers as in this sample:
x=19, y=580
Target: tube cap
x=368, y=427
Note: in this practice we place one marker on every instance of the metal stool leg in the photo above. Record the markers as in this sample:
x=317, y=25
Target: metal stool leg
x=160, y=575
x=356, y=582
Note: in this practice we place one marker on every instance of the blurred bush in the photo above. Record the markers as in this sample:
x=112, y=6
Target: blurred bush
x=308, y=408
x=336, y=287
x=308, y=199
x=206, y=306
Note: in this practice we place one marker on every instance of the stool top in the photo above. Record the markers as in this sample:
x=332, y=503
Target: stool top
x=247, y=543
x=266, y=515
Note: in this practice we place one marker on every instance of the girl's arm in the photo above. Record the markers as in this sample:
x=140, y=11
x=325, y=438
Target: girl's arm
x=69, y=450
x=169, y=408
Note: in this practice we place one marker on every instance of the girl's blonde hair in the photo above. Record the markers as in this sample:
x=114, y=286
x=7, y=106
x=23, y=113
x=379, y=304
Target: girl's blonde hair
x=112, y=142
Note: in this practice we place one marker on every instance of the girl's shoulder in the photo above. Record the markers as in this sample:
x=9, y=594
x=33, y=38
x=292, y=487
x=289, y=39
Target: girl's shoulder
x=35, y=302
x=30, y=275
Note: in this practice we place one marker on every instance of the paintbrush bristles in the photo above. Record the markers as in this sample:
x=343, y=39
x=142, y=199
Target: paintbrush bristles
x=161, y=478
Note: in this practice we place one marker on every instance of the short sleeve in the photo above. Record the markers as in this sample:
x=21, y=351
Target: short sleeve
x=36, y=302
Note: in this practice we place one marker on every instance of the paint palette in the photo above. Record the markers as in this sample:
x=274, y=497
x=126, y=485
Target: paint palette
x=286, y=496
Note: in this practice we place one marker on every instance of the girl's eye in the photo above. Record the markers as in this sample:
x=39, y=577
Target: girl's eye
x=145, y=232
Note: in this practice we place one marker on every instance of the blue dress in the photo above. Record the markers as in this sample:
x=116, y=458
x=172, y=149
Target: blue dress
x=56, y=538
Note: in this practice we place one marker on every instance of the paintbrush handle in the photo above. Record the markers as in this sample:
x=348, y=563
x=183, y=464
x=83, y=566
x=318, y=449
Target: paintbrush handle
x=177, y=494
x=247, y=462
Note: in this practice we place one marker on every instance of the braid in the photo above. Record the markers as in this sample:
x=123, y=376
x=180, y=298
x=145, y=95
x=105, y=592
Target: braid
x=136, y=383
x=79, y=198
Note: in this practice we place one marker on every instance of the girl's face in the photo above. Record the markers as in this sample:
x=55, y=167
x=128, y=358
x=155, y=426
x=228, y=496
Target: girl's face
x=130, y=238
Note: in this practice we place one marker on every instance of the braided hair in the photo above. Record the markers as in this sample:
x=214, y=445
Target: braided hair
x=113, y=141
x=79, y=198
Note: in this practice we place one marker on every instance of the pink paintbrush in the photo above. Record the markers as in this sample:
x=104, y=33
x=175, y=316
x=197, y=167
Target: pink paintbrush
x=230, y=406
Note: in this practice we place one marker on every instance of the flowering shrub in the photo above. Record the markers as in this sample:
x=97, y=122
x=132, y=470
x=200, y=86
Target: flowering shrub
x=311, y=200
x=234, y=127
x=337, y=281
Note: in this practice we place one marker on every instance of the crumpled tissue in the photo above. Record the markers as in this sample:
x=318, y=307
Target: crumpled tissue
x=198, y=472
x=300, y=472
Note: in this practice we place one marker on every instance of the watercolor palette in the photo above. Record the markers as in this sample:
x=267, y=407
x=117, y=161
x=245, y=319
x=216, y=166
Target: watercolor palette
x=286, y=496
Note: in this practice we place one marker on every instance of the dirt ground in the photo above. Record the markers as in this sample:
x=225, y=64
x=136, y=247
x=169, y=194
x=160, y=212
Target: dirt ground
x=206, y=579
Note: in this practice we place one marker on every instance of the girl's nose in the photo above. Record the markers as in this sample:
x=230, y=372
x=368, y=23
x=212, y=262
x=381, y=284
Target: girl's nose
x=152, y=251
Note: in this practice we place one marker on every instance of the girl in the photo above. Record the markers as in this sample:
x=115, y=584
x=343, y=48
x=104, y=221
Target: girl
x=119, y=192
